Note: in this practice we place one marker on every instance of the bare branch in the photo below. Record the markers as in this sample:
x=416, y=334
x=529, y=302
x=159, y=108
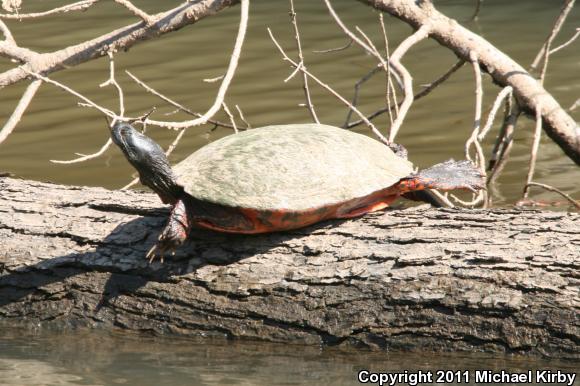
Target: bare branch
x=309, y=104
x=506, y=92
x=241, y=114
x=148, y=19
x=575, y=203
x=534, y=152
x=174, y=103
x=395, y=61
x=229, y=114
x=118, y=40
x=109, y=82
x=229, y=75
x=477, y=9
x=8, y=38
x=78, y=6
x=85, y=157
x=20, y=109
x=503, y=145
x=390, y=88
x=567, y=43
x=566, y=8
x=558, y=124
x=357, y=87
x=23, y=55
x=341, y=48
x=89, y=102
x=113, y=82
x=426, y=91
x=329, y=89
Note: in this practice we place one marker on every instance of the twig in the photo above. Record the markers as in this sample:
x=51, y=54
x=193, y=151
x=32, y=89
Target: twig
x=148, y=19
x=431, y=86
x=20, y=109
x=85, y=157
x=574, y=105
x=477, y=9
x=390, y=88
x=534, y=152
x=566, y=44
x=544, y=51
x=174, y=103
x=307, y=95
x=89, y=102
x=113, y=82
x=503, y=145
x=426, y=91
x=480, y=196
x=357, y=87
x=78, y=6
x=241, y=114
x=341, y=48
x=213, y=80
x=109, y=82
x=8, y=38
x=506, y=92
x=553, y=189
x=229, y=75
x=395, y=61
x=328, y=88
x=473, y=139
x=229, y=114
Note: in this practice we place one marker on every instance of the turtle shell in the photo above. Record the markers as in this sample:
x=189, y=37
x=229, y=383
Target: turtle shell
x=290, y=167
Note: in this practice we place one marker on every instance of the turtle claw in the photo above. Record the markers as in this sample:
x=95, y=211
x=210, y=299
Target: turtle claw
x=159, y=250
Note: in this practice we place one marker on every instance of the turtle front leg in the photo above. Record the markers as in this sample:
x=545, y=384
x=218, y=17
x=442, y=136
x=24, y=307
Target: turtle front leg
x=173, y=235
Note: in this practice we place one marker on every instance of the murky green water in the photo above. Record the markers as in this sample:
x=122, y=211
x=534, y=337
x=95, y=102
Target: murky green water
x=436, y=128
x=97, y=358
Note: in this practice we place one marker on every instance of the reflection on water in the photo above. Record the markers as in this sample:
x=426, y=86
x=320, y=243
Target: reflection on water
x=436, y=128
x=98, y=358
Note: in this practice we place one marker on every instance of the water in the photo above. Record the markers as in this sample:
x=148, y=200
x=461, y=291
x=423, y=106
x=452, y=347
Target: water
x=30, y=357
x=435, y=129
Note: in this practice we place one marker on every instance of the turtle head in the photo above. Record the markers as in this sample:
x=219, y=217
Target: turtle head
x=147, y=157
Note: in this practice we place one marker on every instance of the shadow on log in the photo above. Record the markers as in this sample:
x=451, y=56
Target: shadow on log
x=436, y=279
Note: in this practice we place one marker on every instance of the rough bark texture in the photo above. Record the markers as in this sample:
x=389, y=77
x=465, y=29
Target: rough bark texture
x=530, y=94
x=494, y=280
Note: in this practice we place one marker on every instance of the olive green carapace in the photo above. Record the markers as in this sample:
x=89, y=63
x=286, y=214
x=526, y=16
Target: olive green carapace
x=290, y=167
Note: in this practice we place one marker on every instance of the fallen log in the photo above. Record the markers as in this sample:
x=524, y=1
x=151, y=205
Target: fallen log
x=437, y=279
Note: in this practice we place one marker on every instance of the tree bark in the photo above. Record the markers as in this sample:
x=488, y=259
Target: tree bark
x=505, y=71
x=436, y=279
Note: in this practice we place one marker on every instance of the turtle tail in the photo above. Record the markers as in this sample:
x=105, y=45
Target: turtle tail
x=448, y=175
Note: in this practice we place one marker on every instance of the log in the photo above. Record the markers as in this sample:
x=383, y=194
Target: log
x=500, y=280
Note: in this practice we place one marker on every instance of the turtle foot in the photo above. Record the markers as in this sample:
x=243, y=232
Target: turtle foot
x=173, y=235
x=167, y=244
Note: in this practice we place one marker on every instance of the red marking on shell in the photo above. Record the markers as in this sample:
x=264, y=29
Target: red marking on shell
x=280, y=220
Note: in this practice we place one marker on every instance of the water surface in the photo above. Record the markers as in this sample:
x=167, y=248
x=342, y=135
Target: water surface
x=42, y=357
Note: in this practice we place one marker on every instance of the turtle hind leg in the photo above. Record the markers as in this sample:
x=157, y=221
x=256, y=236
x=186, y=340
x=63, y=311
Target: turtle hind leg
x=449, y=175
x=174, y=234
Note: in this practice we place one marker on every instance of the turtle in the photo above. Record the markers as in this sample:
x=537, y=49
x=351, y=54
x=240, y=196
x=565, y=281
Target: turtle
x=278, y=178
